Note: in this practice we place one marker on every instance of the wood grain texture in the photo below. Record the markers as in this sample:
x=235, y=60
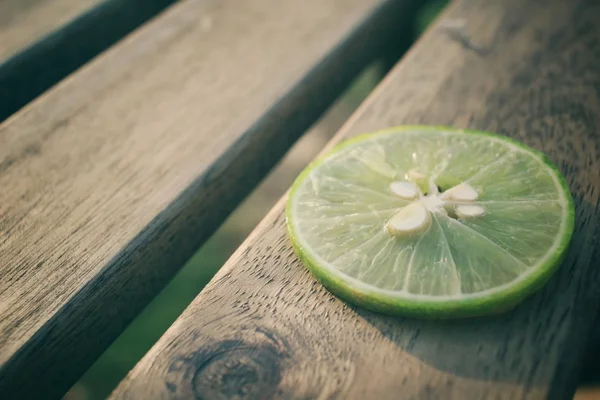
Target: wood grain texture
x=264, y=328
x=42, y=41
x=115, y=177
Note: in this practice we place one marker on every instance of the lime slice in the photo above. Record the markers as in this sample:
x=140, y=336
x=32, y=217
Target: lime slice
x=431, y=221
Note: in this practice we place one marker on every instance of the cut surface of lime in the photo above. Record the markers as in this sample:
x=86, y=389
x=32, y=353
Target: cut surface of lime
x=431, y=222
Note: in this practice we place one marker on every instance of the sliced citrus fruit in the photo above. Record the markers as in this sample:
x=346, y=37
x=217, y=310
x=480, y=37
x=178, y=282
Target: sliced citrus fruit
x=431, y=221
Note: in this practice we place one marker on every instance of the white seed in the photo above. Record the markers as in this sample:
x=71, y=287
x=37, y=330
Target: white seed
x=469, y=211
x=414, y=175
x=413, y=218
x=405, y=190
x=461, y=192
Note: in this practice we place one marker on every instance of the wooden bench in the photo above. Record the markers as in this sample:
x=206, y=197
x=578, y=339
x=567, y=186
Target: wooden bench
x=114, y=178
x=121, y=171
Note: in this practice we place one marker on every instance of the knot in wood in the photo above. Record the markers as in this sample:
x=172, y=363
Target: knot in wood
x=238, y=371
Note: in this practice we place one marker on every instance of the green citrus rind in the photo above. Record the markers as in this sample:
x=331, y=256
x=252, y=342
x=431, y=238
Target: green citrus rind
x=473, y=305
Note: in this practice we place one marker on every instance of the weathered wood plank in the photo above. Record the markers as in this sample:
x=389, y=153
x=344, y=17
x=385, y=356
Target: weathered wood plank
x=265, y=328
x=42, y=41
x=115, y=177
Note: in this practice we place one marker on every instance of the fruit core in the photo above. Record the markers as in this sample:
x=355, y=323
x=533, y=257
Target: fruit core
x=456, y=202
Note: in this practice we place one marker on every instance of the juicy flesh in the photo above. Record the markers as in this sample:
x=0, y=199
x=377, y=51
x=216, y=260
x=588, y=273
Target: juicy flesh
x=498, y=214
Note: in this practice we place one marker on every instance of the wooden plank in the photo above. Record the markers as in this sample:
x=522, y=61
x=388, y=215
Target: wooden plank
x=42, y=41
x=116, y=176
x=264, y=328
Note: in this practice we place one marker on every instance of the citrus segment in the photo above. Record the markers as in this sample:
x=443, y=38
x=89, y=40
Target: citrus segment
x=431, y=221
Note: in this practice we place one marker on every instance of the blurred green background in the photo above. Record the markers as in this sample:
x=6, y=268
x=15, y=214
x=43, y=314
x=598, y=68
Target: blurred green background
x=147, y=328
